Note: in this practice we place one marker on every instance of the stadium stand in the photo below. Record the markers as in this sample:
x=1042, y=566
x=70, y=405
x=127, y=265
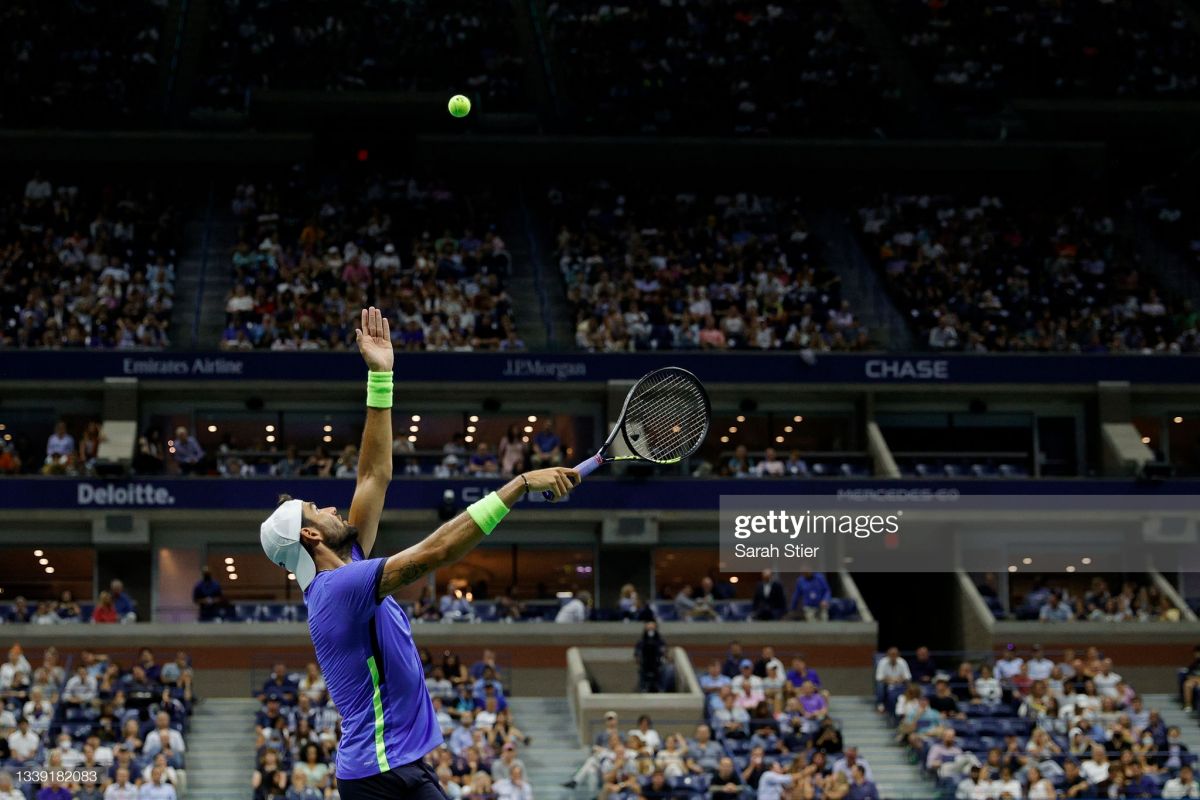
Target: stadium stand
x=995, y=276
x=697, y=271
x=1080, y=598
x=86, y=266
x=979, y=54
x=370, y=46
x=686, y=68
x=82, y=65
x=314, y=252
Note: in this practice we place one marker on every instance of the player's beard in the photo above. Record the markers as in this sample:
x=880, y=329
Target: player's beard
x=341, y=542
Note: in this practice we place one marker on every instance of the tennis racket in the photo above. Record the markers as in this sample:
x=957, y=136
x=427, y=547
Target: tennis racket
x=664, y=420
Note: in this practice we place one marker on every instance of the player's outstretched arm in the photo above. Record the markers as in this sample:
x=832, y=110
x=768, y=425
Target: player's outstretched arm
x=456, y=538
x=375, y=454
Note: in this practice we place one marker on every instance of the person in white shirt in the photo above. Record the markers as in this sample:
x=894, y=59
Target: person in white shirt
x=746, y=675
x=575, y=609
x=163, y=737
x=1106, y=680
x=1095, y=769
x=485, y=718
x=17, y=663
x=1038, y=665
x=1007, y=784
x=121, y=788
x=1039, y=787
x=1009, y=666
x=38, y=710
x=23, y=742
x=81, y=688
x=9, y=792
x=645, y=731
x=1183, y=785
x=771, y=466
x=772, y=783
x=892, y=670
x=966, y=787
x=155, y=788
x=514, y=787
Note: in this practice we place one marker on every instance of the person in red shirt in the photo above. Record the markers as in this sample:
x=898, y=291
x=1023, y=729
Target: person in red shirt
x=105, y=611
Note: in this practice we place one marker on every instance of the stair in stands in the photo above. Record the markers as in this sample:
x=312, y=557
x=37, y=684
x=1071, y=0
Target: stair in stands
x=1171, y=709
x=220, y=749
x=896, y=777
x=554, y=754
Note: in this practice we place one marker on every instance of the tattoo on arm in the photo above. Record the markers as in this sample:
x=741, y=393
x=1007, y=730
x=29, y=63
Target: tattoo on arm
x=401, y=575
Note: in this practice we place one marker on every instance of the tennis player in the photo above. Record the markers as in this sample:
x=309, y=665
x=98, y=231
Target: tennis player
x=362, y=637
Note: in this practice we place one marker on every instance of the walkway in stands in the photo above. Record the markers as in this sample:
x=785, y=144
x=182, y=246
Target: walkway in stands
x=554, y=753
x=896, y=777
x=220, y=749
x=1172, y=712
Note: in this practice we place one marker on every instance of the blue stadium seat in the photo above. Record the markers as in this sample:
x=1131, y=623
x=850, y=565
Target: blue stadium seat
x=665, y=611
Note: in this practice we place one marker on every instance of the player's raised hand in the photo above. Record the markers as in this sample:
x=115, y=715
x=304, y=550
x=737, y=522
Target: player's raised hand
x=556, y=480
x=375, y=340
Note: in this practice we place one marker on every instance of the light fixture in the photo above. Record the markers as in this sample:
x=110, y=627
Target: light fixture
x=412, y=438
x=414, y=428
x=733, y=579
x=212, y=428
x=468, y=439
x=229, y=559
x=1145, y=440
x=797, y=418
x=233, y=576
x=525, y=439
x=230, y=568
x=1027, y=561
x=1085, y=561
x=778, y=440
x=170, y=442
x=416, y=417
x=326, y=439
x=328, y=428
x=38, y=553
x=49, y=570
x=270, y=429
x=1012, y=567
x=741, y=418
x=8, y=437
x=733, y=428
x=3, y=426
x=172, y=449
x=474, y=418
x=270, y=438
x=291, y=576
x=1070, y=567
x=532, y=418
x=470, y=429
x=1177, y=421
x=43, y=561
x=724, y=439
x=788, y=429
x=529, y=429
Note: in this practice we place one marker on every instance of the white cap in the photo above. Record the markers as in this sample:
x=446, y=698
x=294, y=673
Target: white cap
x=280, y=536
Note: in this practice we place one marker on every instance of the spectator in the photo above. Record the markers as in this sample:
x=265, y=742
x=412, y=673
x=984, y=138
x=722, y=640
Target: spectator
x=122, y=787
x=512, y=451
x=9, y=792
x=769, y=601
x=861, y=785
x=1055, y=610
x=482, y=461
x=165, y=738
x=514, y=787
x=105, y=611
x=1183, y=785
x=727, y=783
x=922, y=667
x=891, y=672
x=60, y=450
x=575, y=609
x=189, y=455
x=207, y=596
x=156, y=788
x=771, y=466
x=54, y=790
x=279, y=686
x=650, y=652
x=24, y=743
x=811, y=597
x=547, y=447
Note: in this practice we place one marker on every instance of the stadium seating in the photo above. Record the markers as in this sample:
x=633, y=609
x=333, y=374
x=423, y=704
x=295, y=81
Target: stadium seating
x=697, y=271
x=86, y=266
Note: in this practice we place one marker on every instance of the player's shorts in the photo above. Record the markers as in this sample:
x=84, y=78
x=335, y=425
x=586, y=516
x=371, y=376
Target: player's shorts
x=415, y=781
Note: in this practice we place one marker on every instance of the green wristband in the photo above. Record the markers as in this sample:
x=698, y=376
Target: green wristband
x=487, y=512
x=379, y=390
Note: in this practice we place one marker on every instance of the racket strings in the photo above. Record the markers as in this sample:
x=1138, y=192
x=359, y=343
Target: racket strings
x=667, y=418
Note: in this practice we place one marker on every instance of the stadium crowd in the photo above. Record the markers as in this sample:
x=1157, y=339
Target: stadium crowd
x=85, y=266
x=982, y=52
x=757, y=68
x=81, y=65
x=297, y=730
x=1032, y=727
x=367, y=46
x=314, y=253
x=1057, y=600
x=766, y=732
x=112, y=605
x=690, y=271
x=994, y=276
x=115, y=730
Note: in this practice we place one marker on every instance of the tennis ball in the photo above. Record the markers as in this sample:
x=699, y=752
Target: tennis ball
x=459, y=106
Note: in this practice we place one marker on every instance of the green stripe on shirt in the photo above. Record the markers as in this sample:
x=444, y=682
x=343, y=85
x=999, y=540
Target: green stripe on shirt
x=377, y=704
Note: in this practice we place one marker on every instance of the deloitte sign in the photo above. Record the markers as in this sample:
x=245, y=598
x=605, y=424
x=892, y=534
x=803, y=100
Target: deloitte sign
x=128, y=494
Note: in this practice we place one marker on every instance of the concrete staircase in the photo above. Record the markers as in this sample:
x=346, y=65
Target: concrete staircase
x=554, y=754
x=220, y=749
x=202, y=282
x=862, y=727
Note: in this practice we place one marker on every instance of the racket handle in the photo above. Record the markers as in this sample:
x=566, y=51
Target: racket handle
x=584, y=468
